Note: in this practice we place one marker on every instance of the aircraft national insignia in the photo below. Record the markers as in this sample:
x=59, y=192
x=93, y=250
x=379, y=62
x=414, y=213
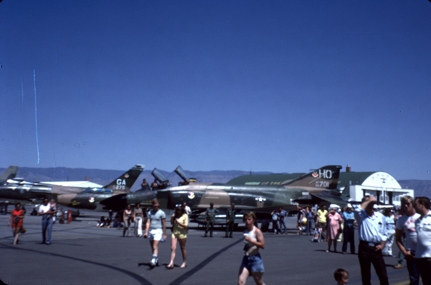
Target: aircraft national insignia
x=91, y=200
x=315, y=174
x=260, y=199
x=191, y=195
x=126, y=175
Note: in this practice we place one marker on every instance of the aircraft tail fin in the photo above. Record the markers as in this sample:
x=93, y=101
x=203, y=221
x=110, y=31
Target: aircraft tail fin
x=9, y=173
x=324, y=177
x=125, y=181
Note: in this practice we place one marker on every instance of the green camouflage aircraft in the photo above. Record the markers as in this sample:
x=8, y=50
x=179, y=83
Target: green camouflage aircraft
x=18, y=190
x=317, y=187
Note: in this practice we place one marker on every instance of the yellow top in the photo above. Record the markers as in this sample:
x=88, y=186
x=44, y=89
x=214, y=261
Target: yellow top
x=180, y=230
x=321, y=216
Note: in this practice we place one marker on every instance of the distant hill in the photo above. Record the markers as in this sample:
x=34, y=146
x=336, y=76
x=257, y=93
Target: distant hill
x=421, y=187
x=103, y=177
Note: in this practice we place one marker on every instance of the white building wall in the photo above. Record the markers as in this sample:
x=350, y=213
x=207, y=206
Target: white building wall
x=359, y=191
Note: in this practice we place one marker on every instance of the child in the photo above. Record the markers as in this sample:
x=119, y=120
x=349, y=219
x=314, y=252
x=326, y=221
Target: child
x=341, y=276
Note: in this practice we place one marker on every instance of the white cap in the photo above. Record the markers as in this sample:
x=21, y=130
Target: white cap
x=349, y=205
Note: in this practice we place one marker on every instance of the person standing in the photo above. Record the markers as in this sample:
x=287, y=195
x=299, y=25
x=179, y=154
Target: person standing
x=155, y=230
x=282, y=223
x=275, y=216
x=390, y=230
x=334, y=221
x=138, y=215
x=423, y=229
x=47, y=213
x=321, y=220
x=372, y=238
x=187, y=209
x=310, y=220
x=230, y=220
x=16, y=221
x=405, y=226
x=300, y=217
x=252, y=263
x=210, y=214
x=127, y=220
x=155, y=185
x=349, y=229
x=145, y=185
x=180, y=223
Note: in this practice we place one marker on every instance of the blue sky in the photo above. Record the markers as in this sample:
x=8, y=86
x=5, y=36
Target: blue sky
x=280, y=86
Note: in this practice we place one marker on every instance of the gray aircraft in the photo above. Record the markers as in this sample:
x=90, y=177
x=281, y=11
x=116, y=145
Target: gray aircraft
x=13, y=190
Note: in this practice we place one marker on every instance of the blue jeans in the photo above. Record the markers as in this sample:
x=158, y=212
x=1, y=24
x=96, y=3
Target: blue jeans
x=413, y=270
x=46, y=227
x=310, y=226
x=282, y=226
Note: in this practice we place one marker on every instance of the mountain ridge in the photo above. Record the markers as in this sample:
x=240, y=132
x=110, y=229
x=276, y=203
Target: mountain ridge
x=103, y=177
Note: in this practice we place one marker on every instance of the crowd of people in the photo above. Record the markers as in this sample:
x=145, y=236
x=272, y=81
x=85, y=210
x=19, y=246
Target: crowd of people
x=409, y=228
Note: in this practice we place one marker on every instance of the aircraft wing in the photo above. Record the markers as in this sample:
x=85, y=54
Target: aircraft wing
x=80, y=184
x=326, y=197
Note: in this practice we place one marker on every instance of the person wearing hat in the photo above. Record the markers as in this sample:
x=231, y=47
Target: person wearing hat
x=230, y=220
x=210, y=214
x=349, y=229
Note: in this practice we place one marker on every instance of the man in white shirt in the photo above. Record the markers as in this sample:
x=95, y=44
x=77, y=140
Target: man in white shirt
x=406, y=225
x=372, y=239
x=187, y=209
x=47, y=212
x=423, y=229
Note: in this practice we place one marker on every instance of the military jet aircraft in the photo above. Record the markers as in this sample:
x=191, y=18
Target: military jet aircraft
x=90, y=198
x=319, y=186
x=13, y=190
x=144, y=196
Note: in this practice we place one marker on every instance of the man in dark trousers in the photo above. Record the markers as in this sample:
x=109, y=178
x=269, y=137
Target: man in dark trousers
x=230, y=220
x=372, y=239
x=348, y=229
x=210, y=214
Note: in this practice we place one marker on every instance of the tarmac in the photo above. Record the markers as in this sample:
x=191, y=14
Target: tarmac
x=81, y=253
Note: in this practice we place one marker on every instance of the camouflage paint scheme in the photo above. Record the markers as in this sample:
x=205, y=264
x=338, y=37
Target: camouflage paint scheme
x=319, y=186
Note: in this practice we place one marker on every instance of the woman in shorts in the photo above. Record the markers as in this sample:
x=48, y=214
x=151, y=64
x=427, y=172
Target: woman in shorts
x=252, y=263
x=180, y=223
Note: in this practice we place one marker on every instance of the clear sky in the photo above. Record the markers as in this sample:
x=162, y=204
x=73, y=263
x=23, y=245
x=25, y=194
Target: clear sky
x=280, y=86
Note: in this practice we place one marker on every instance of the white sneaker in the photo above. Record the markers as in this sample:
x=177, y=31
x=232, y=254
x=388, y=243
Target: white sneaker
x=154, y=261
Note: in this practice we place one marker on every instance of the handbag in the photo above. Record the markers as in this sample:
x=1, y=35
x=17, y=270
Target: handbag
x=22, y=230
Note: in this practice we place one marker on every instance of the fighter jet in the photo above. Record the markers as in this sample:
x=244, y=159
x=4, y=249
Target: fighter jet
x=13, y=190
x=144, y=196
x=91, y=197
x=319, y=186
